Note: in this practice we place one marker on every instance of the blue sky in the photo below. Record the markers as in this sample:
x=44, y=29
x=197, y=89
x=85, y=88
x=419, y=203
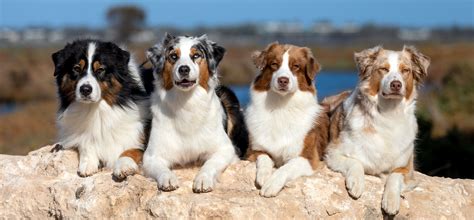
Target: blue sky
x=187, y=13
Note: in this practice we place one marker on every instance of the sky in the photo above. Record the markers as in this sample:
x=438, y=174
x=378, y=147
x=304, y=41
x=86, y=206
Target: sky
x=187, y=13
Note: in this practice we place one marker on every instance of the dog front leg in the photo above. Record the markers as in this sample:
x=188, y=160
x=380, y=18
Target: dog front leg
x=293, y=169
x=207, y=176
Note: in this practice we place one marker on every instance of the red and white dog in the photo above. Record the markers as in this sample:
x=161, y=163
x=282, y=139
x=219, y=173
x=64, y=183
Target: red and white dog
x=287, y=126
x=374, y=129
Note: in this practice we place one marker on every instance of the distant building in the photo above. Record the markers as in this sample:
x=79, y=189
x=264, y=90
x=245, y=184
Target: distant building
x=282, y=27
x=323, y=27
x=9, y=35
x=414, y=34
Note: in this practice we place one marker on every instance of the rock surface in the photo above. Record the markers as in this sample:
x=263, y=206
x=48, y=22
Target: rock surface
x=45, y=185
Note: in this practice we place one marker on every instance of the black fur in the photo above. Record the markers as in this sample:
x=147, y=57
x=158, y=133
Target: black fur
x=111, y=56
x=239, y=133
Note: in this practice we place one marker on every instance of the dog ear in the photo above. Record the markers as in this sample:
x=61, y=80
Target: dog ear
x=156, y=54
x=420, y=62
x=121, y=55
x=168, y=38
x=213, y=52
x=365, y=59
x=313, y=65
x=58, y=61
x=258, y=57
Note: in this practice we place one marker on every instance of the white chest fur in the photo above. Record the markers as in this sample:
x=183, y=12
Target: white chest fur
x=105, y=130
x=278, y=125
x=186, y=125
x=383, y=142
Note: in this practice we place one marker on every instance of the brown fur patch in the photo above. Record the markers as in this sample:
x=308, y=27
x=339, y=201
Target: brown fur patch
x=68, y=87
x=336, y=124
x=203, y=74
x=135, y=154
x=332, y=102
x=253, y=155
x=369, y=129
x=407, y=74
x=408, y=170
x=166, y=76
x=82, y=64
x=231, y=118
x=316, y=140
x=110, y=90
x=96, y=65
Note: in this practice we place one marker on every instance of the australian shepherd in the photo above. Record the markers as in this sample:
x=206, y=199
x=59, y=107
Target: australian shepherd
x=287, y=126
x=193, y=119
x=374, y=129
x=102, y=106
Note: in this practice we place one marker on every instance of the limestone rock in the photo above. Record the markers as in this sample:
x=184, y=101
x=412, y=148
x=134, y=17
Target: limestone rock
x=46, y=185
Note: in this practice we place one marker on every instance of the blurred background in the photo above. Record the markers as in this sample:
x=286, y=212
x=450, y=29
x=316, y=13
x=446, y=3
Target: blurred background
x=31, y=30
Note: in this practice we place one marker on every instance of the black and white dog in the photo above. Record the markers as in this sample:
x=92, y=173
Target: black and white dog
x=194, y=119
x=102, y=106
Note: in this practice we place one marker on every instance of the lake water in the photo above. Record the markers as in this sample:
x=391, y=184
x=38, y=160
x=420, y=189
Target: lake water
x=327, y=83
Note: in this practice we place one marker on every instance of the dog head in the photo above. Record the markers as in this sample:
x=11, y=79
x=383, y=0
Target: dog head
x=391, y=74
x=89, y=71
x=285, y=69
x=185, y=62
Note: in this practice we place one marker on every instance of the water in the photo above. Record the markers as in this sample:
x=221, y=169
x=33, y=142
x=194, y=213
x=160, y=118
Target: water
x=327, y=83
x=8, y=107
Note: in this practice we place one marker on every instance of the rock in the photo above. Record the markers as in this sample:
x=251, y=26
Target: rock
x=46, y=185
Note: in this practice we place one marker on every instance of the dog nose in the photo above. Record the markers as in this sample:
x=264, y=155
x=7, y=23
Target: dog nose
x=85, y=90
x=283, y=81
x=396, y=86
x=184, y=70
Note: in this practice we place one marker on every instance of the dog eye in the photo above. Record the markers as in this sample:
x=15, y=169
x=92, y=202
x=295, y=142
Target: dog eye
x=274, y=65
x=173, y=56
x=77, y=68
x=406, y=70
x=383, y=69
x=196, y=56
x=101, y=70
x=296, y=66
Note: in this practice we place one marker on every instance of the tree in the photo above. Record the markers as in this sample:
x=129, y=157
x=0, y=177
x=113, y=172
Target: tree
x=125, y=21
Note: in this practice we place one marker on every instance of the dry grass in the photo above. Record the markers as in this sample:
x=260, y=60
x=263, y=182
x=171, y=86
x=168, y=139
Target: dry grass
x=30, y=127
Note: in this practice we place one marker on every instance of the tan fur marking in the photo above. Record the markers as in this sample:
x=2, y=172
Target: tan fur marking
x=316, y=140
x=203, y=74
x=407, y=75
x=135, y=154
x=110, y=90
x=166, y=76
x=82, y=64
x=336, y=124
x=253, y=155
x=68, y=87
x=96, y=65
x=407, y=171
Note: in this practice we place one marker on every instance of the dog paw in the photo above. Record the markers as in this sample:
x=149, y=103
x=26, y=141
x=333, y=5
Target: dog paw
x=273, y=186
x=355, y=184
x=168, y=181
x=262, y=177
x=124, y=167
x=203, y=183
x=88, y=168
x=391, y=202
